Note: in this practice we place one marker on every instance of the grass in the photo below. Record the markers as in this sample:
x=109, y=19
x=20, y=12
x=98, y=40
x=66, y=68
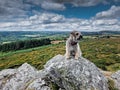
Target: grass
x=3, y=54
x=35, y=56
x=105, y=53
x=111, y=85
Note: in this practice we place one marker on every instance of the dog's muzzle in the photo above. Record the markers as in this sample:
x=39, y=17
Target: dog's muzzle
x=80, y=37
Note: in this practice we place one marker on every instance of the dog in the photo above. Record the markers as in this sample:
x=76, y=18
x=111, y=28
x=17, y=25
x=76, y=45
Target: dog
x=72, y=45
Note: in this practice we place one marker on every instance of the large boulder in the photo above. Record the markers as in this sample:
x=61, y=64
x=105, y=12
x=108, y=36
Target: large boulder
x=65, y=74
x=116, y=77
x=75, y=74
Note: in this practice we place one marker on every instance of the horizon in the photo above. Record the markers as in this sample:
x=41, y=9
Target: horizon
x=60, y=15
x=57, y=30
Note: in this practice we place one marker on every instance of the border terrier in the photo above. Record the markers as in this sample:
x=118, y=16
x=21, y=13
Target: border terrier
x=72, y=45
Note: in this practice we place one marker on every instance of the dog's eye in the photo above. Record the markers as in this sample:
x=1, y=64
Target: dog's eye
x=77, y=33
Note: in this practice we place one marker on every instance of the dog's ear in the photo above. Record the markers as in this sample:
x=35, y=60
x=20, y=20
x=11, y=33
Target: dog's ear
x=72, y=33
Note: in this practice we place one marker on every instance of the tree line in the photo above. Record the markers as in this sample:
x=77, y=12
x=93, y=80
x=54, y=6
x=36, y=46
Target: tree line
x=18, y=45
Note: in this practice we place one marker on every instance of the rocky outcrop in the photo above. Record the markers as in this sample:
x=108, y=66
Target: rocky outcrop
x=25, y=77
x=64, y=74
x=116, y=77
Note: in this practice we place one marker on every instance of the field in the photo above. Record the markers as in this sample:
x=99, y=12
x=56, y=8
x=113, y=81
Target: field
x=104, y=52
x=12, y=36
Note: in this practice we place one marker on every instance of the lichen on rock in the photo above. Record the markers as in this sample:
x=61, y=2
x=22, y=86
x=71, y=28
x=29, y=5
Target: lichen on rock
x=116, y=78
x=58, y=74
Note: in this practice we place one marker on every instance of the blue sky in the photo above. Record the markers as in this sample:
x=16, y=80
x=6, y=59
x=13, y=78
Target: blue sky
x=83, y=12
x=40, y=15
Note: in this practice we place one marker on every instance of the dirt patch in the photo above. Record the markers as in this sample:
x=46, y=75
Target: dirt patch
x=57, y=42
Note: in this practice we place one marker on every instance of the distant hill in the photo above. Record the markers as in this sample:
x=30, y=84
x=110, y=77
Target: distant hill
x=102, y=33
x=9, y=36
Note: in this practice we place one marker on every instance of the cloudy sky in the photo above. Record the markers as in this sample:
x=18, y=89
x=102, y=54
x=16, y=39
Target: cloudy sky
x=64, y=15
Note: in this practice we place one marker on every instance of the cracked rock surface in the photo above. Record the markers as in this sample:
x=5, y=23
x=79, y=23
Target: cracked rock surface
x=75, y=74
x=65, y=74
x=116, y=77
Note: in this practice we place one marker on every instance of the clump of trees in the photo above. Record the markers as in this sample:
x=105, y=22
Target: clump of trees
x=18, y=45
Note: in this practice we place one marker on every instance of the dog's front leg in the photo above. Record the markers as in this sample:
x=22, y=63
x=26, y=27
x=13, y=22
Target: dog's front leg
x=78, y=53
x=67, y=55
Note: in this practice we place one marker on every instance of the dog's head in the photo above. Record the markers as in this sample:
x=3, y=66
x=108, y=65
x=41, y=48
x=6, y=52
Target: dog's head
x=76, y=36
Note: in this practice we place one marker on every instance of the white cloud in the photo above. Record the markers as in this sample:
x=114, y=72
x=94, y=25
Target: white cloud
x=18, y=8
x=51, y=21
x=80, y=2
x=6, y=24
x=101, y=22
x=52, y=6
x=116, y=0
x=12, y=9
x=47, y=18
x=14, y=16
x=113, y=12
x=86, y=2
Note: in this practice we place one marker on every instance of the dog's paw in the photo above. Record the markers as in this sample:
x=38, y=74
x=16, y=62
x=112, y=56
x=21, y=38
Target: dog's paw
x=76, y=58
x=80, y=57
x=67, y=58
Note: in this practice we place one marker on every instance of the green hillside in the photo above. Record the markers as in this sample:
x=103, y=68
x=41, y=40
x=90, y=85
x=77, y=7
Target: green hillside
x=105, y=53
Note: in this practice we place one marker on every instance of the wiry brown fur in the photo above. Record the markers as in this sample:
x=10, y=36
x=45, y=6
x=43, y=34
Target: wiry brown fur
x=72, y=45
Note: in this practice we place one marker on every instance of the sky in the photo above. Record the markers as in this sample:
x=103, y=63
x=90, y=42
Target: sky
x=59, y=15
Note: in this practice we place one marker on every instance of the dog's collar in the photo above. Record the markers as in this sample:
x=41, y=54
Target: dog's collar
x=73, y=43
